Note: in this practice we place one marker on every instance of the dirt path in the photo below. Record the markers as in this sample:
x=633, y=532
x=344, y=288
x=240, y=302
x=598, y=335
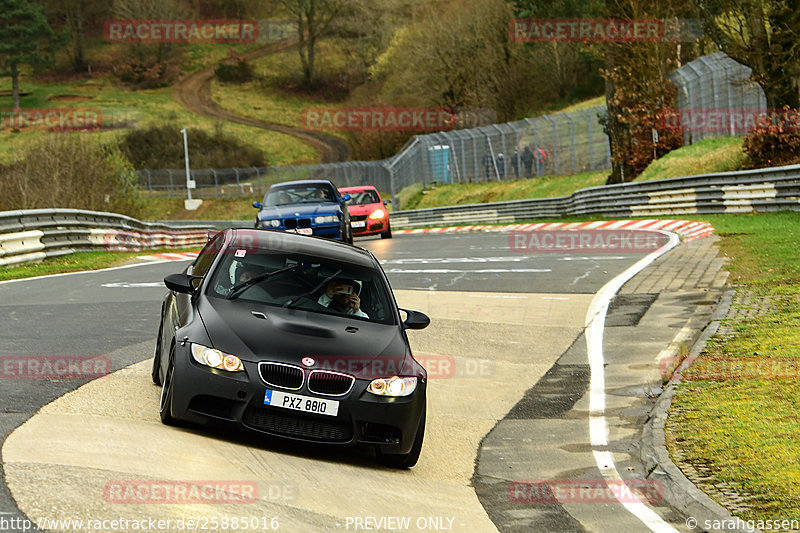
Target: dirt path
x=194, y=93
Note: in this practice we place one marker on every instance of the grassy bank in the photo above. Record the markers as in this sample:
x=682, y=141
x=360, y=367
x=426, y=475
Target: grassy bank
x=735, y=416
x=79, y=262
x=712, y=155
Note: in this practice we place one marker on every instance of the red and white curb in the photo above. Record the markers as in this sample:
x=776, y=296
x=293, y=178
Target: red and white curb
x=177, y=256
x=689, y=230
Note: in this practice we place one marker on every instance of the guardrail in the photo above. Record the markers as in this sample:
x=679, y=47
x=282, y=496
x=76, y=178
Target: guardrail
x=749, y=191
x=33, y=235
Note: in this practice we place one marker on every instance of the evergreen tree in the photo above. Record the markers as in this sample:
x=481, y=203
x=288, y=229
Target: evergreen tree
x=25, y=39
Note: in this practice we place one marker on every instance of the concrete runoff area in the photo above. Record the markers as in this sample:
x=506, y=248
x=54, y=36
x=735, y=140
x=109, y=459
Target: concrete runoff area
x=108, y=431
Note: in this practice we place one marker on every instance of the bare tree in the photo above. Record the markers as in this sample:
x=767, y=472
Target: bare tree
x=78, y=16
x=762, y=34
x=314, y=20
x=468, y=62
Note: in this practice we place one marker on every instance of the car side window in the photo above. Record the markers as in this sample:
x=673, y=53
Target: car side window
x=206, y=256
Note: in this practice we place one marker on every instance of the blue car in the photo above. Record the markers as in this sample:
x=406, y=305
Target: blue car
x=308, y=207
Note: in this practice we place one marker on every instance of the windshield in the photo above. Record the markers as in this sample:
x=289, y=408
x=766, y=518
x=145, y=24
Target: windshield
x=364, y=197
x=299, y=281
x=305, y=194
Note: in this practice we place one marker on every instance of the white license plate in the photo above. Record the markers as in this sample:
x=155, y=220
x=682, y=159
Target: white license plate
x=302, y=231
x=359, y=224
x=296, y=402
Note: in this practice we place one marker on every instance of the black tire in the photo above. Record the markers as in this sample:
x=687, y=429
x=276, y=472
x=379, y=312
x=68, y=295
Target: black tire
x=405, y=460
x=349, y=235
x=387, y=234
x=165, y=405
x=156, y=373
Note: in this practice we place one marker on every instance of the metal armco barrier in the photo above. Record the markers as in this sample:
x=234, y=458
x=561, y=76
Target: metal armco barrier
x=749, y=191
x=36, y=234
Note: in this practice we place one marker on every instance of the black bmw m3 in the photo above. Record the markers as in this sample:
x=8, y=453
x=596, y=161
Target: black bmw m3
x=293, y=336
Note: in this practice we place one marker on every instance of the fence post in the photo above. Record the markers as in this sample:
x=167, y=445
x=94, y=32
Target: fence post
x=591, y=138
x=169, y=172
x=216, y=184
x=555, y=146
x=571, y=139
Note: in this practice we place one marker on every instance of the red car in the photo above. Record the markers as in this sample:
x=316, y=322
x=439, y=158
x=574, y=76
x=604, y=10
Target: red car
x=368, y=214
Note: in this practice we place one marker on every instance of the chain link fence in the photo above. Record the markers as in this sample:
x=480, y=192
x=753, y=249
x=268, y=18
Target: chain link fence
x=717, y=97
x=559, y=144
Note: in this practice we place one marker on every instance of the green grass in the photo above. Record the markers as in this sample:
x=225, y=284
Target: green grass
x=239, y=208
x=712, y=155
x=500, y=191
x=736, y=413
x=143, y=108
x=78, y=262
x=267, y=98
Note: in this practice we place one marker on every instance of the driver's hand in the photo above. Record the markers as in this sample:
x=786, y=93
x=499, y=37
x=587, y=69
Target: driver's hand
x=354, y=302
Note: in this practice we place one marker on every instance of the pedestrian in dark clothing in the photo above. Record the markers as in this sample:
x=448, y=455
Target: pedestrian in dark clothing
x=515, y=163
x=527, y=161
x=487, y=165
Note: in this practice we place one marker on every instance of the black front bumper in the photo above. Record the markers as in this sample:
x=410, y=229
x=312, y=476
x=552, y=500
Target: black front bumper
x=202, y=394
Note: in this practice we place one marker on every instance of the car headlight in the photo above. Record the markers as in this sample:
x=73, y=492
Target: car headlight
x=393, y=386
x=378, y=213
x=270, y=223
x=326, y=219
x=216, y=359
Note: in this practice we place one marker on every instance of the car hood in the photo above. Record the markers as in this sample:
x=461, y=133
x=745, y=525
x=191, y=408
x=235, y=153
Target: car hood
x=364, y=209
x=353, y=346
x=303, y=210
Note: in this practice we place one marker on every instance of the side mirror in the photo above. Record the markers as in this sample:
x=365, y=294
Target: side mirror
x=387, y=202
x=180, y=283
x=415, y=320
x=257, y=205
x=346, y=198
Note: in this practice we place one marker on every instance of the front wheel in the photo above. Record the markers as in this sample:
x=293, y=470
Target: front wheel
x=156, y=373
x=387, y=234
x=167, y=388
x=406, y=460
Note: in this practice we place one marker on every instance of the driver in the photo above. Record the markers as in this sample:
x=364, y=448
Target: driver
x=342, y=295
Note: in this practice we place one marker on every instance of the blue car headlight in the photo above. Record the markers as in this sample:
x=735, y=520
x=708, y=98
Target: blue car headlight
x=274, y=223
x=328, y=219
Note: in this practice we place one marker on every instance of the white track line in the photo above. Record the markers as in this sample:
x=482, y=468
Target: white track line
x=63, y=274
x=598, y=428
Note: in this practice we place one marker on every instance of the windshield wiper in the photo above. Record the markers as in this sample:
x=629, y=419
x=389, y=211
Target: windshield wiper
x=312, y=291
x=258, y=279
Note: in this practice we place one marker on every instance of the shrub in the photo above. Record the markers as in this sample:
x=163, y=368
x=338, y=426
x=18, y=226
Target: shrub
x=776, y=143
x=238, y=72
x=161, y=146
x=147, y=73
x=70, y=170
